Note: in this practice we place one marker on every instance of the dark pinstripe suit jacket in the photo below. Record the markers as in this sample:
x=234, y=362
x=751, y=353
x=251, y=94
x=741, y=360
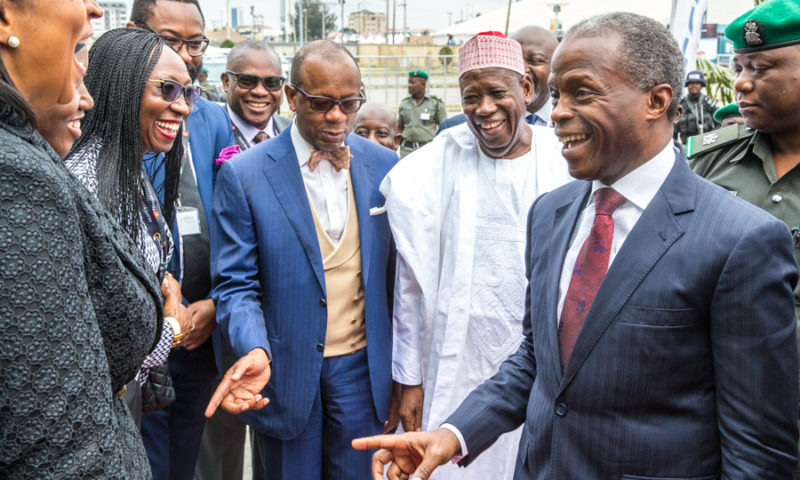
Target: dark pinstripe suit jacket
x=686, y=366
x=269, y=284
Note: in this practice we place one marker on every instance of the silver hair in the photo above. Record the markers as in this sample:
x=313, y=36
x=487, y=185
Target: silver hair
x=649, y=55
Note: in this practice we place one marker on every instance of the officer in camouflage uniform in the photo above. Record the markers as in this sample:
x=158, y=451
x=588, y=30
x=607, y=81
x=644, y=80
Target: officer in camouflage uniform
x=698, y=109
x=758, y=161
x=420, y=114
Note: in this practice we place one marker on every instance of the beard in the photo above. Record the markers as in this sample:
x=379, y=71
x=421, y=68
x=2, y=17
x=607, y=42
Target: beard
x=194, y=71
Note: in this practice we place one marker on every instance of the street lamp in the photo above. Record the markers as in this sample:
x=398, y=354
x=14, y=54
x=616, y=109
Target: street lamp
x=341, y=29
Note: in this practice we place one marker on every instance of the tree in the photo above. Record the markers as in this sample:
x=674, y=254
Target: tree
x=227, y=43
x=313, y=19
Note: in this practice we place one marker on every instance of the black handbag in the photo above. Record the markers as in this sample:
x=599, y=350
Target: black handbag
x=157, y=391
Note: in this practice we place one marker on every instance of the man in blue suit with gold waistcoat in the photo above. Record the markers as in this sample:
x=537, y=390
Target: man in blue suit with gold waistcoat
x=302, y=269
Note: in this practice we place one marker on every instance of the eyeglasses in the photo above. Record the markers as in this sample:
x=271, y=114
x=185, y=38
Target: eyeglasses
x=195, y=48
x=325, y=104
x=249, y=82
x=171, y=91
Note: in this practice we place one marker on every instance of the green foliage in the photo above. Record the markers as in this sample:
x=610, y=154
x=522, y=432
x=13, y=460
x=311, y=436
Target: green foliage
x=227, y=43
x=719, y=80
x=446, y=51
x=313, y=19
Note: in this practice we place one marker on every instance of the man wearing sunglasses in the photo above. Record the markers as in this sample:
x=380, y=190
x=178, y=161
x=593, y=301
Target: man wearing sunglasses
x=252, y=83
x=302, y=265
x=172, y=436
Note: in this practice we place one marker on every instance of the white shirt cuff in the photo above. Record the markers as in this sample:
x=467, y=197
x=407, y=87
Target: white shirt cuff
x=457, y=433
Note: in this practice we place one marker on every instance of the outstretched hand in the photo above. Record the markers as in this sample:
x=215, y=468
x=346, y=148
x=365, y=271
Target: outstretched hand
x=240, y=388
x=417, y=453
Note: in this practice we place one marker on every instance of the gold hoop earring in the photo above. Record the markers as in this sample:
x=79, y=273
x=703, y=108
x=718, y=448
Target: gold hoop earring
x=13, y=41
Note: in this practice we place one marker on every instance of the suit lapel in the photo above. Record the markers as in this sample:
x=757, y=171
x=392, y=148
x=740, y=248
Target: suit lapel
x=655, y=232
x=361, y=176
x=564, y=223
x=283, y=173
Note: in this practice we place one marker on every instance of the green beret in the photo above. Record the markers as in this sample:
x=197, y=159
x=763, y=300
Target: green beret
x=418, y=73
x=729, y=110
x=773, y=24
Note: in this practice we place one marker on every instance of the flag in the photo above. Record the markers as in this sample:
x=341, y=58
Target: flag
x=687, y=22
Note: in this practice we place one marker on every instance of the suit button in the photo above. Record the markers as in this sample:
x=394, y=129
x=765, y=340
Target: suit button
x=561, y=409
x=777, y=198
x=323, y=302
x=320, y=347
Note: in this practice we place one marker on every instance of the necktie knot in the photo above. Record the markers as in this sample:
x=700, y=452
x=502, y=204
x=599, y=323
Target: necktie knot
x=260, y=137
x=606, y=200
x=339, y=158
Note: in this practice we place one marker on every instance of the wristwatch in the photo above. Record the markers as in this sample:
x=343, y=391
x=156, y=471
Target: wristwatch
x=176, y=330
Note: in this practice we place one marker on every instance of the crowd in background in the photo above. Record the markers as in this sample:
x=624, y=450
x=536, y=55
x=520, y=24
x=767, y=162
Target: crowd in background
x=542, y=286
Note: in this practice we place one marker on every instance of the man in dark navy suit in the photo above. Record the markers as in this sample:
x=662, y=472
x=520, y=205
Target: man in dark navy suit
x=659, y=326
x=302, y=265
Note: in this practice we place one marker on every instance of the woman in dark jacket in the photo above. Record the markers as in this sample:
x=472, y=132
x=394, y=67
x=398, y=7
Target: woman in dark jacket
x=67, y=272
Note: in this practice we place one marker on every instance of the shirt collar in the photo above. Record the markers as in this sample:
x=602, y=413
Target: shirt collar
x=248, y=130
x=641, y=185
x=544, y=112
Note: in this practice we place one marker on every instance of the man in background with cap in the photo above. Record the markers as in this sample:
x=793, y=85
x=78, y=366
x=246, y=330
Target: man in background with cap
x=458, y=208
x=419, y=115
x=728, y=115
x=698, y=109
x=758, y=161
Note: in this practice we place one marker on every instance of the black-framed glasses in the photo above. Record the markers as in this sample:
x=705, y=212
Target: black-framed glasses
x=195, y=48
x=171, y=90
x=249, y=82
x=324, y=104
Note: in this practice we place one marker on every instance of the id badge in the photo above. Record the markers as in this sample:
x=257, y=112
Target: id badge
x=424, y=116
x=188, y=221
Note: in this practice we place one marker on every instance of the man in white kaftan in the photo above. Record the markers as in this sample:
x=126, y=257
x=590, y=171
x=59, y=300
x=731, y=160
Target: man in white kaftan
x=458, y=210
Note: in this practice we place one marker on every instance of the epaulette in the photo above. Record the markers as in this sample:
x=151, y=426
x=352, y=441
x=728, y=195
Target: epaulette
x=709, y=141
x=436, y=98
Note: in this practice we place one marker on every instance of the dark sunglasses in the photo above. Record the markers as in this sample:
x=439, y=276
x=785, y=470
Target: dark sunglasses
x=325, y=104
x=171, y=91
x=249, y=82
x=195, y=48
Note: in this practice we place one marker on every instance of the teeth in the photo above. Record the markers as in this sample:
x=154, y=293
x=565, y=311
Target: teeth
x=258, y=105
x=572, y=138
x=76, y=124
x=487, y=126
x=170, y=126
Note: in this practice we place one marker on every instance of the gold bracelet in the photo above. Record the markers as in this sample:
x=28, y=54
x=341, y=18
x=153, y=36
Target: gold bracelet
x=176, y=330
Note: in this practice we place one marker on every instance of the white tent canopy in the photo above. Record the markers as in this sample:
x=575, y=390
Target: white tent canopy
x=540, y=12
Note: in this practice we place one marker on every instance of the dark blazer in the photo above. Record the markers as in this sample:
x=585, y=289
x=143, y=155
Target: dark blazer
x=686, y=366
x=451, y=122
x=269, y=283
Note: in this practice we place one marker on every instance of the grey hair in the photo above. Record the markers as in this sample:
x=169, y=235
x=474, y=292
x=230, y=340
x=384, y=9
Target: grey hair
x=649, y=55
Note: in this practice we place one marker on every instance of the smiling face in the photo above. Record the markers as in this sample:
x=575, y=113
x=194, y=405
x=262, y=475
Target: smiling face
x=336, y=77
x=255, y=106
x=160, y=119
x=694, y=89
x=43, y=66
x=494, y=101
x=767, y=89
x=538, y=46
x=600, y=116
x=61, y=124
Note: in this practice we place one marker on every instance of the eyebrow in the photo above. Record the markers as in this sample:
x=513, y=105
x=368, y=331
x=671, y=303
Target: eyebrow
x=172, y=33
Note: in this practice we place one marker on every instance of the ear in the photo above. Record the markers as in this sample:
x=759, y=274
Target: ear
x=526, y=85
x=659, y=98
x=130, y=25
x=398, y=137
x=8, y=12
x=291, y=97
x=225, y=81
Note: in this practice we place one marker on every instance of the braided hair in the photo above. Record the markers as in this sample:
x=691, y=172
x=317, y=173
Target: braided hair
x=120, y=63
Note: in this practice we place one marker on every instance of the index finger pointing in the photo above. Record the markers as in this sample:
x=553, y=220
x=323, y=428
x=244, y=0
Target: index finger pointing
x=375, y=442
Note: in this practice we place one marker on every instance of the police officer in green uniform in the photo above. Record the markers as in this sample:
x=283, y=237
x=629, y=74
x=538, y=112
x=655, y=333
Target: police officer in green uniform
x=758, y=161
x=419, y=115
x=728, y=115
x=698, y=109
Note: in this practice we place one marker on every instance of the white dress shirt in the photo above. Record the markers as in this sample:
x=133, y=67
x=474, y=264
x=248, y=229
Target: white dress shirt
x=326, y=188
x=542, y=115
x=638, y=187
x=249, y=131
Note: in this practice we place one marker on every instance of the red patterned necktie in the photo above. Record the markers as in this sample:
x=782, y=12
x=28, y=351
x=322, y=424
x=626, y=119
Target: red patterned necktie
x=589, y=271
x=339, y=158
x=260, y=137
